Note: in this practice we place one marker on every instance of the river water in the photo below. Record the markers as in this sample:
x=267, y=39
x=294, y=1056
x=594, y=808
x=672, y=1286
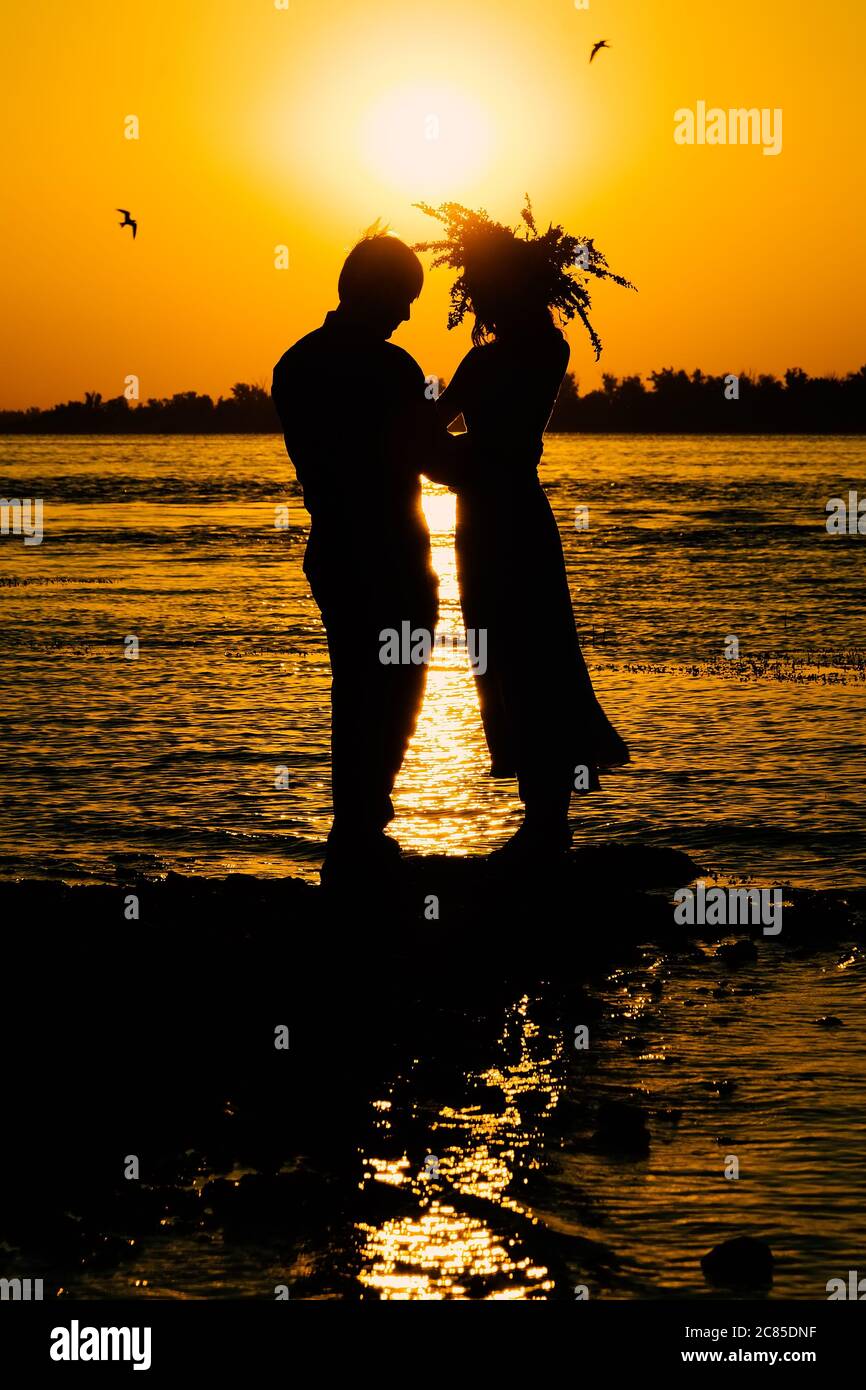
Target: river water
x=752, y=765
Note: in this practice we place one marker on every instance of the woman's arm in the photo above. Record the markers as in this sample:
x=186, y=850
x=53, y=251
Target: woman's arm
x=450, y=454
x=442, y=456
x=449, y=404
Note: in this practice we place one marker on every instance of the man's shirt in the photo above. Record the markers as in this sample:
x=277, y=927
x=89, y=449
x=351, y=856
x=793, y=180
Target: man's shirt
x=350, y=406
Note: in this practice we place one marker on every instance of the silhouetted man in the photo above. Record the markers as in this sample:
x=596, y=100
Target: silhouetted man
x=352, y=407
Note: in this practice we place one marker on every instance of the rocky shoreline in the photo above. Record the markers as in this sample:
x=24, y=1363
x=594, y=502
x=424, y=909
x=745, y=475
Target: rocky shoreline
x=152, y=1036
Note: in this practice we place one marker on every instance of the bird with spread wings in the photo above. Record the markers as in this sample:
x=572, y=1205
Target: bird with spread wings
x=128, y=221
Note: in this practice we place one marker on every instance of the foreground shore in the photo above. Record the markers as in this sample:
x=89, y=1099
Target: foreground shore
x=154, y=1037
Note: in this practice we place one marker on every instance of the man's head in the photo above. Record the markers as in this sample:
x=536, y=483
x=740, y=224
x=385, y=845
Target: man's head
x=379, y=280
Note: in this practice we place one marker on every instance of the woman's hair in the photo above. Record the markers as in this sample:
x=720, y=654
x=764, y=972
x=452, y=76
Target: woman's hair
x=505, y=277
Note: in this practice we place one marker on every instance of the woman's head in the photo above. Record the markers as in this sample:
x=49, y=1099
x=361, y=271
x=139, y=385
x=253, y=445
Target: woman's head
x=505, y=284
x=515, y=281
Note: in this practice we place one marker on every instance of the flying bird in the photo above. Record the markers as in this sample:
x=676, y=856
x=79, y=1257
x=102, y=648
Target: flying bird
x=128, y=221
x=602, y=43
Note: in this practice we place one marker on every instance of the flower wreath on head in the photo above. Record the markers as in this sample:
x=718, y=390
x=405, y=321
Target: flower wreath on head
x=563, y=263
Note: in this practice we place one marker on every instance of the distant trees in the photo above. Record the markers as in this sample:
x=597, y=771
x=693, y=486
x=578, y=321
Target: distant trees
x=676, y=403
x=248, y=410
x=669, y=402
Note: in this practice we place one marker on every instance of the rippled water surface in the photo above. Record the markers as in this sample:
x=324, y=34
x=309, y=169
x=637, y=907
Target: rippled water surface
x=754, y=766
x=476, y=1173
x=479, y=1174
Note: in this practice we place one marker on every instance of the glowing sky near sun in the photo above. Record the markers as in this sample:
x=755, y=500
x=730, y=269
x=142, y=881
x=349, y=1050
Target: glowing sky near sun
x=261, y=127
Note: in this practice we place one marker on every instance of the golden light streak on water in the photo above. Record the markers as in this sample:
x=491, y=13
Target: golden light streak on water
x=446, y=802
x=434, y=1256
x=439, y=1253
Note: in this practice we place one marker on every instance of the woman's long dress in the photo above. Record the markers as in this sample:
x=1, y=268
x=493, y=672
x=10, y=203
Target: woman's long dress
x=542, y=720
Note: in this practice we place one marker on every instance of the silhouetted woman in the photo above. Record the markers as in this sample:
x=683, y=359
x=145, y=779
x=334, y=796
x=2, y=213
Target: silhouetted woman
x=541, y=717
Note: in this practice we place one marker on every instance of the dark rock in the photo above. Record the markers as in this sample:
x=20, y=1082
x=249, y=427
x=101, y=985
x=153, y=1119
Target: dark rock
x=279, y=1206
x=829, y=1021
x=492, y=1099
x=105, y=1251
x=738, y=953
x=383, y=1201
x=636, y=866
x=621, y=1128
x=742, y=1263
x=532, y=1103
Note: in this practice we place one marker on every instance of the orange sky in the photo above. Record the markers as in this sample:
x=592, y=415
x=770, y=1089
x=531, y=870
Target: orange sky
x=261, y=126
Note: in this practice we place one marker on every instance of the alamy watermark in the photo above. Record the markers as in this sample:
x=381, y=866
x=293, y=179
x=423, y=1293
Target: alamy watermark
x=414, y=646
x=735, y=126
x=729, y=907
x=846, y=518
x=77, y=1343
x=21, y=1290
x=854, y=1291
x=22, y=516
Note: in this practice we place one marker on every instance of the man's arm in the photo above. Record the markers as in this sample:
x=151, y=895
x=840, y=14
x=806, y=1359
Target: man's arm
x=440, y=456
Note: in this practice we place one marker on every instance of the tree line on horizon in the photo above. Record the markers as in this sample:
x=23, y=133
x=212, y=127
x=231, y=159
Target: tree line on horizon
x=669, y=402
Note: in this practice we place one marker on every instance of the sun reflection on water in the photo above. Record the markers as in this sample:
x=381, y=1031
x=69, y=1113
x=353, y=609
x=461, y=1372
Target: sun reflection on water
x=445, y=800
x=434, y=1255
x=440, y=1251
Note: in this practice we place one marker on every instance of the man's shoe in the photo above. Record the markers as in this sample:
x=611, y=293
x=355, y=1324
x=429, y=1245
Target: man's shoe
x=531, y=850
x=350, y=858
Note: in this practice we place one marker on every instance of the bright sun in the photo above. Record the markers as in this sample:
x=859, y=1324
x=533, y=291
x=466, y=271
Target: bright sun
x=426, y=138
